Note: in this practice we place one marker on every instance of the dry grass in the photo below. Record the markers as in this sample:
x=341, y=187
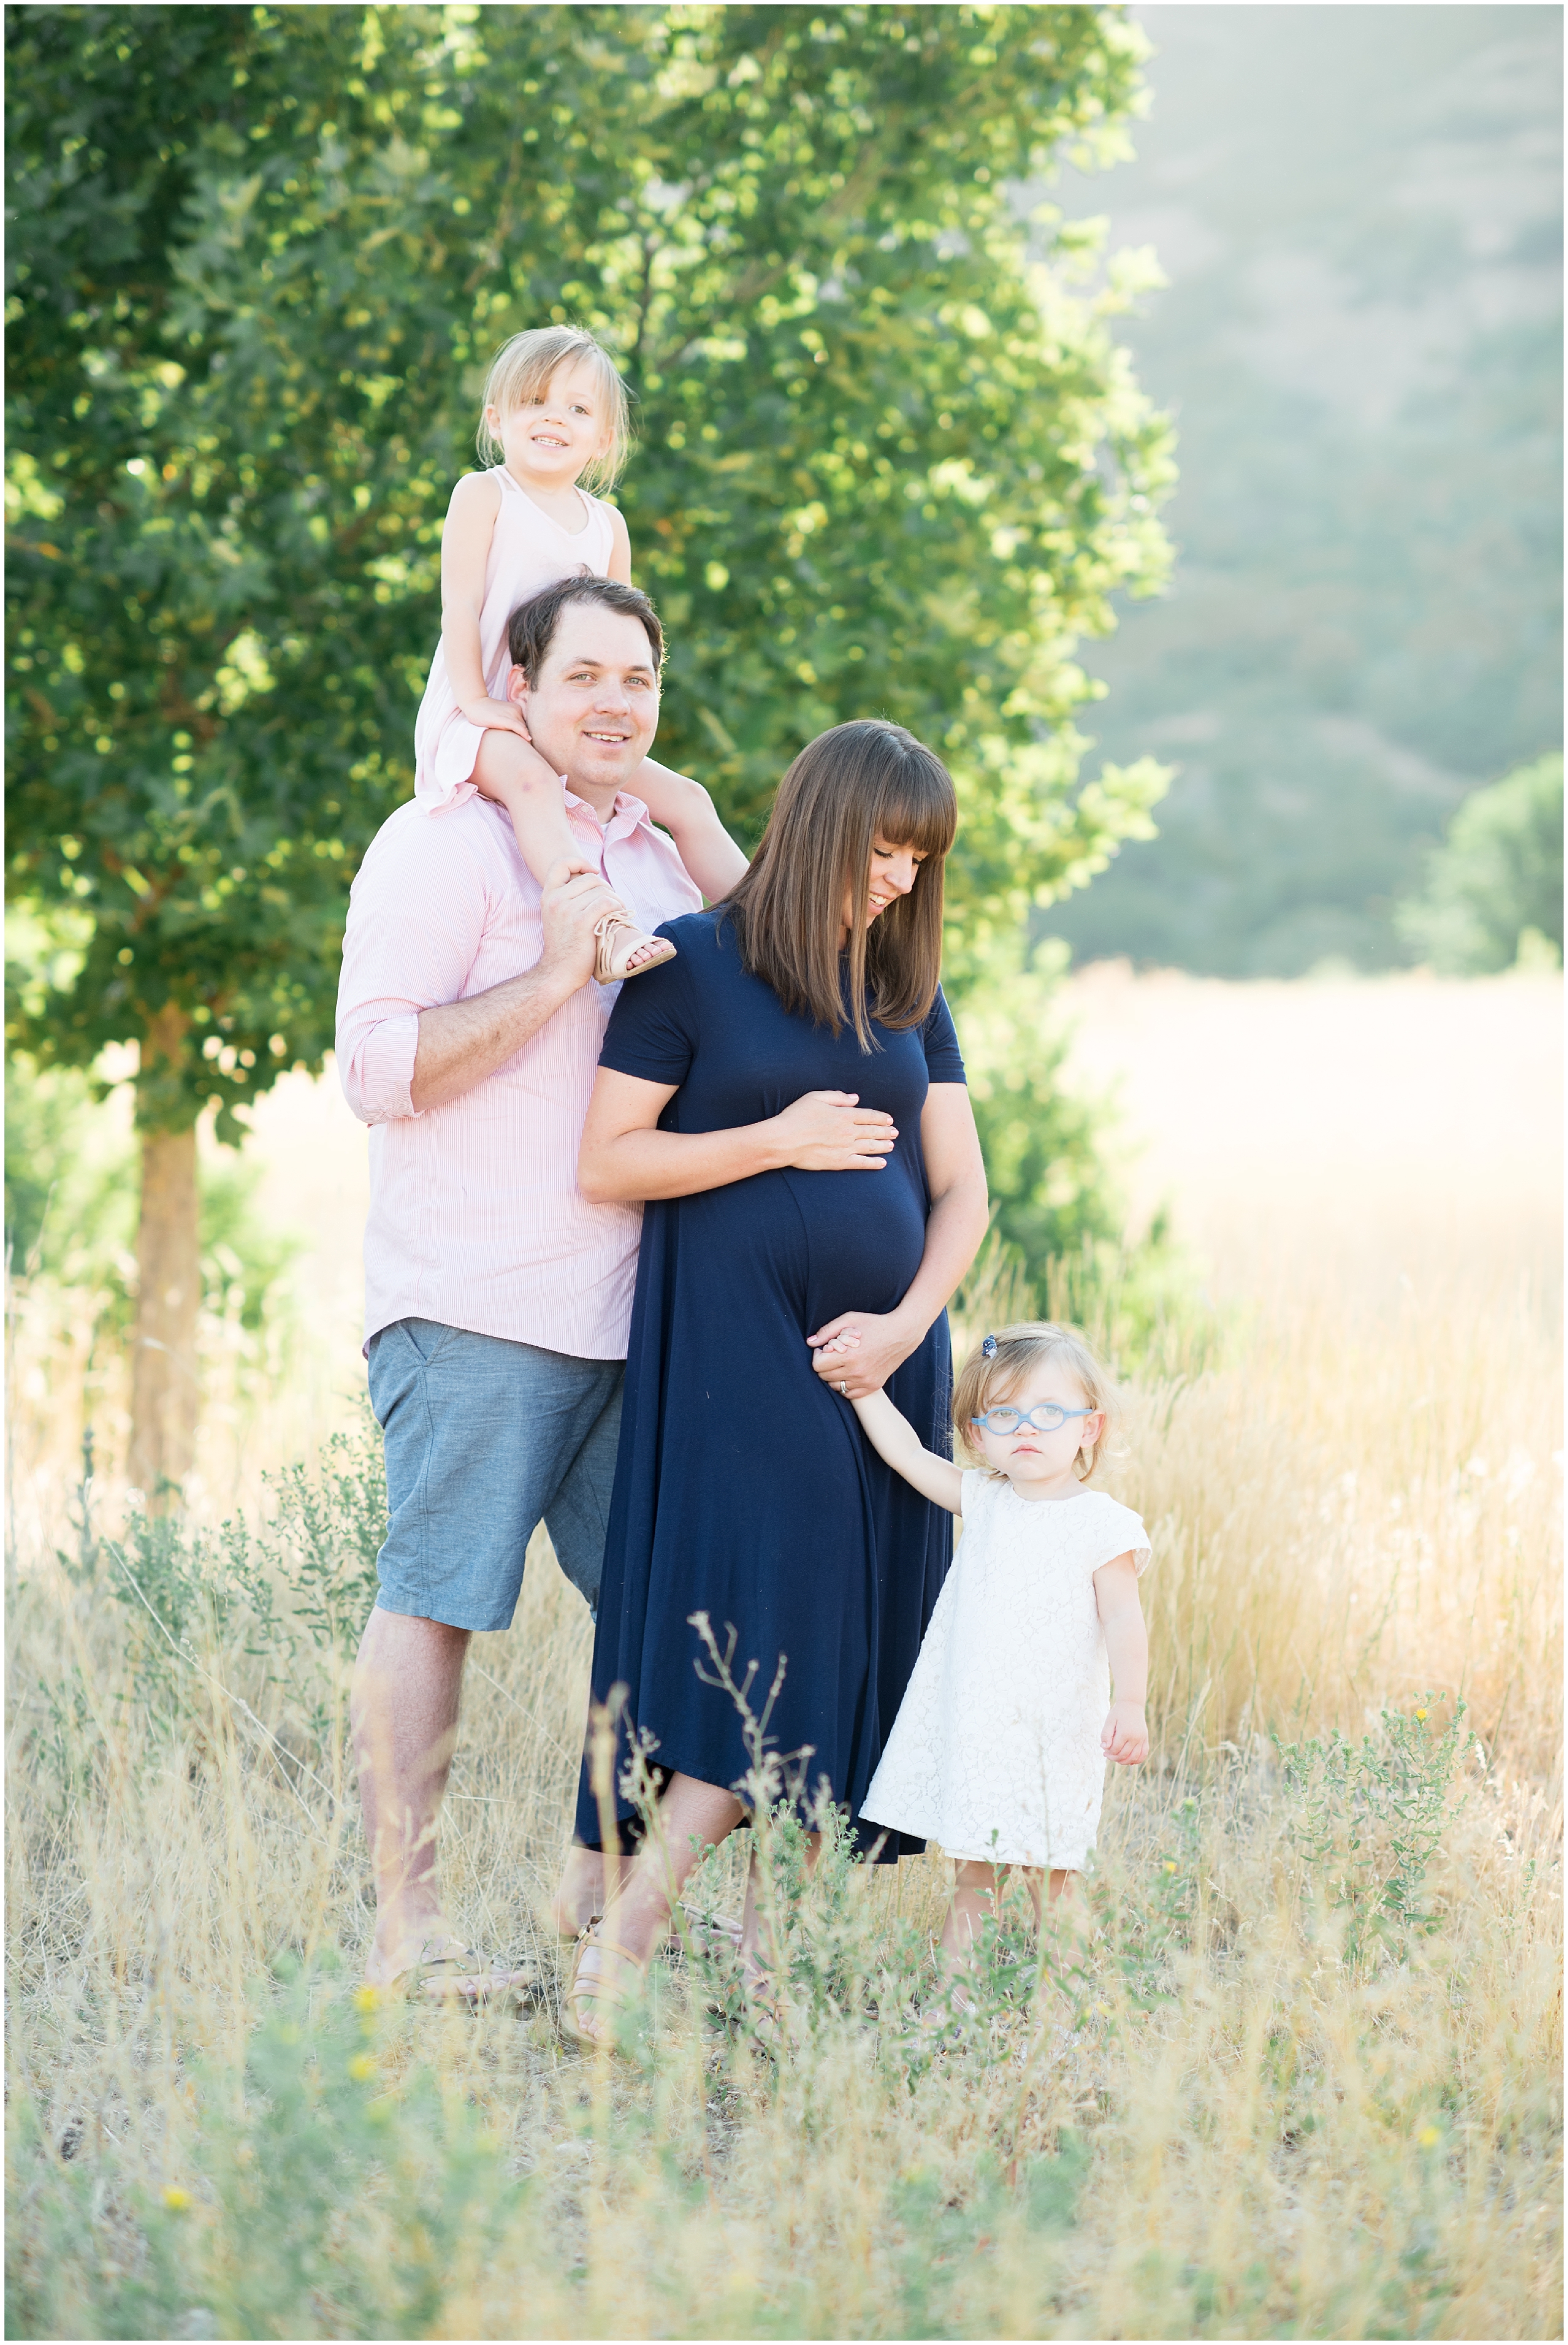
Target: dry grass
x=1214, y=2119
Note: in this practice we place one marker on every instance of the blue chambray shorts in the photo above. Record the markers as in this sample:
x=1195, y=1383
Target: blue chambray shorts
x=484, y=1440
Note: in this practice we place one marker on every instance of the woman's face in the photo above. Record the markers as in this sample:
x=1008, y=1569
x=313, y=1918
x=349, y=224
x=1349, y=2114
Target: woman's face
x=892, y=875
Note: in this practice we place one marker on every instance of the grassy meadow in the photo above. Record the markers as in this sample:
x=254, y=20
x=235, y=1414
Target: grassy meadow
x=1288, y=2066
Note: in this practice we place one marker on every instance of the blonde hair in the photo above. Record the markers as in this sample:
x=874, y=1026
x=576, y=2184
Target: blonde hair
x=1015, y=1350
x=522, y=370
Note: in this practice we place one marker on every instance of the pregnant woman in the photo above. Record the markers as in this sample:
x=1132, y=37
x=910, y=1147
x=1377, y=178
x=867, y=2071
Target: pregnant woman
x=788, y=1098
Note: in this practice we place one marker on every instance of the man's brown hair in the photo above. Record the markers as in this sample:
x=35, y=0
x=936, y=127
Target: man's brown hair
x=530, y=630
x=859, y=783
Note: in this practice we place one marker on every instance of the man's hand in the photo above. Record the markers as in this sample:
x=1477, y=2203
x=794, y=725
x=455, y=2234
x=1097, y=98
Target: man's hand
x=1125, y=1734
x=461, y=1042
x=572, y=902
x=828, y=1132
x=860, y=1349
x=497, y=716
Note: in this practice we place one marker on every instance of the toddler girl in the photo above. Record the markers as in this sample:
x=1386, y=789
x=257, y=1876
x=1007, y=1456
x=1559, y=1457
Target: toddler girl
x=999, y=1746
x=555, y=415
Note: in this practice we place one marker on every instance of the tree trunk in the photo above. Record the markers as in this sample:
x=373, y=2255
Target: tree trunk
x=165, y=1390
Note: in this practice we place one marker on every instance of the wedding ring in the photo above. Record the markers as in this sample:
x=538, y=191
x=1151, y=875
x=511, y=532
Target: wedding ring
x=844, y=1390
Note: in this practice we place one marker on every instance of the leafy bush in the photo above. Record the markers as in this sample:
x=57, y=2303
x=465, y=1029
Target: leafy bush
x=271, y=1608
x=1368, y=1819
x=374, y=2194
x=1048, y=1178
x=1059, y=1244
x=1493, y=893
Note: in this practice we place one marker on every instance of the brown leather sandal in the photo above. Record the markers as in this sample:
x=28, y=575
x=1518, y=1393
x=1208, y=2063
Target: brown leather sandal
x=595, y=1987
x=460, y=1975
x=617, y=941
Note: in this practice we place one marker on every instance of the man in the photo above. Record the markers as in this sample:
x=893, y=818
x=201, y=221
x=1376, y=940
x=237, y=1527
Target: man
x=496, y=1299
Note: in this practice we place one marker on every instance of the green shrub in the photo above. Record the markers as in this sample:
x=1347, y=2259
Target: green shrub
x=325, y=2195
x=1369, y=1817
x=265, y=1612
x=1493, y=893
x=1060, y=1247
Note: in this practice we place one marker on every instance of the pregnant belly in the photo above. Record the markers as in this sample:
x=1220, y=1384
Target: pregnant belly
x=806, y=1245
x=864, y=1236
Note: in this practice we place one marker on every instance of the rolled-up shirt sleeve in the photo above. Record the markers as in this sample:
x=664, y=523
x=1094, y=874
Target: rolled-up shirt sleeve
x=417, y=914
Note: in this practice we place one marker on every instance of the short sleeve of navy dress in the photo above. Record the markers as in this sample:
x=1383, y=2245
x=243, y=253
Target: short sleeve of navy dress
x=744, y=1490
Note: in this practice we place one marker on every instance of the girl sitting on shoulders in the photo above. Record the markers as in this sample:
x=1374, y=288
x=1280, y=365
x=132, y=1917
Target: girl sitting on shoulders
x=555, y=415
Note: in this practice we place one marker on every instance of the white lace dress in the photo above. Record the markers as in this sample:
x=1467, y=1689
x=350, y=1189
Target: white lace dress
x=996, y=1750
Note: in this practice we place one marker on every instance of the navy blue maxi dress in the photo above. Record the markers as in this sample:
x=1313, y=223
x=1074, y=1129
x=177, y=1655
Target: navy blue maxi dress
x=745, y=1488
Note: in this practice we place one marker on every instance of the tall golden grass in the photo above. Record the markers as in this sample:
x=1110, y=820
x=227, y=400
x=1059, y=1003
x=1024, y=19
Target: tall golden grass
x=1225, y=2109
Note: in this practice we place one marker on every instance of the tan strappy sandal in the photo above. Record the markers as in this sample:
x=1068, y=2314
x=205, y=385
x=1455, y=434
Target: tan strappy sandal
x=618, y=940
x=461, y=1974
x=597, y=1988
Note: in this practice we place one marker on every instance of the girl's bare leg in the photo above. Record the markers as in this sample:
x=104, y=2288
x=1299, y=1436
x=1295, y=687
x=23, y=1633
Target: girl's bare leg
x=511, y=770
x=976, y=1894
x=976, y=1897
x=1061, y=1886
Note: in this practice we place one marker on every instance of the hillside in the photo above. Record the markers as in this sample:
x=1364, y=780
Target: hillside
x=1359, y=210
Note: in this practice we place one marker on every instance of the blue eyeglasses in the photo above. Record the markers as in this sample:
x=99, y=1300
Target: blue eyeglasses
x=1049, y=1417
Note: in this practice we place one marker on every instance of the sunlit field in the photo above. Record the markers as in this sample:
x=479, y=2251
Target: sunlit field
x=1288, y=2068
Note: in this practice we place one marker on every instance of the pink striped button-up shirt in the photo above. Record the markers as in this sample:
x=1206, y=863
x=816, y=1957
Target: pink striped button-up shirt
x=476, y=1219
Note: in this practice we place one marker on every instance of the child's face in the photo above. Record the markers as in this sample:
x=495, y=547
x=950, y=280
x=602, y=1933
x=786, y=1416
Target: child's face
x=1030, y=1456
x=553, y=436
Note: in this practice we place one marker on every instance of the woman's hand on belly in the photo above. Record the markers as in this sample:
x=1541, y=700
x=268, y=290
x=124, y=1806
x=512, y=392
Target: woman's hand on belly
x=859, y=1350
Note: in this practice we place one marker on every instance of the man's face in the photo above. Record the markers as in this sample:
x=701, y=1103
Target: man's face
x=593, y=709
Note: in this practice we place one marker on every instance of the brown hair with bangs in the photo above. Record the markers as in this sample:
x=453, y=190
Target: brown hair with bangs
x=853, y=785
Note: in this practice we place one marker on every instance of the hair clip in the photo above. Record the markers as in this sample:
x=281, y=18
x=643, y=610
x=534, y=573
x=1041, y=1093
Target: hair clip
x=989, y=1347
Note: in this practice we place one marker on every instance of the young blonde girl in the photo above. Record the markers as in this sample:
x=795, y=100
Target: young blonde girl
x=999, y=1746
x=554, y=419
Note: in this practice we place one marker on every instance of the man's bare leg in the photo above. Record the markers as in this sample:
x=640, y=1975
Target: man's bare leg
x=403, y=1716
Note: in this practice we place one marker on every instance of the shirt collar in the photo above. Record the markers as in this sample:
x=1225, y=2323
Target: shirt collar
x=628, y=814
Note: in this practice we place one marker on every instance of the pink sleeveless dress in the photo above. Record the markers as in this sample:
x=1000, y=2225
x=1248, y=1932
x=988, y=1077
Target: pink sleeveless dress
x=528, y=552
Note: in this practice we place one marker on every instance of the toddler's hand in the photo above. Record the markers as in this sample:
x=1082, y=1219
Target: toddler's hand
x=1125, y=1734
x=497, y=716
